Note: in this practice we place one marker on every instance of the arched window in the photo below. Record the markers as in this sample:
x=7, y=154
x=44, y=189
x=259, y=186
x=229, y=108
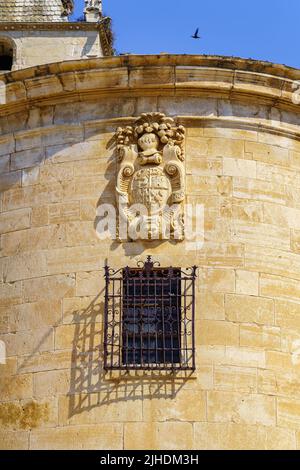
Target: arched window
x=6, y=54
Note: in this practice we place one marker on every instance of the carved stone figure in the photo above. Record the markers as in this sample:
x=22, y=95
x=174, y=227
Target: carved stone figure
x=151, y=178
x=68, y=7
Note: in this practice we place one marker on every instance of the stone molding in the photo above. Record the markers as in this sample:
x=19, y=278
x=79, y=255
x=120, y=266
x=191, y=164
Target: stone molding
x=177, y=75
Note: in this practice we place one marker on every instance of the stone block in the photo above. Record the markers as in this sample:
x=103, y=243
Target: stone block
x=239, y=209
x=211, y=306
x=268, y=153
x=277, y=174
x=7, y=144
x=160, y=436
x=101, y=409
x=40, y=238
x=10, y=180
x=256, y=336
x=78, y=309
x=288, y=413
x=236, y=379
x=18, y=387
x=265, y=235
x=14, y=440
x=272, y=261
x=197, y=148
x=27, y=316
x=39, y=216
x=287, y=314
x=226, y=148
x=25, y=266
x=276, y=215
x=89, y=283
x=9, y=368
x=284, y=383
x=217, y=280
x=4, y=163
x=71, y=336
x=222, y=255
x=239, y=167
x=55, y=173
x=51, y=384
x=61, y=213
x=10, y=293
x=211, y=333
x=49, y=287
x=276, y=360
x=209, y=185
x=46, y=361
x=249, y=309
x=30, y=176
x=230, y=133
x=65, y=336
x=187, y=405
x=27, y=158
x=279, y=287
x=144, y=77
x=95, y=437
x=264, y=191
x=230, y=356
x=232, y=436
x=69, y=260
x=238, y=407
x=246, y=282
x=204, y=167
x=14, y=220
x=84, y=151
x=28, y=342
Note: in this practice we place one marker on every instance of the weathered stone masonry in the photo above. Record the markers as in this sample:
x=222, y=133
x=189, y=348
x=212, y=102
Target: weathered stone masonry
x=242, y=163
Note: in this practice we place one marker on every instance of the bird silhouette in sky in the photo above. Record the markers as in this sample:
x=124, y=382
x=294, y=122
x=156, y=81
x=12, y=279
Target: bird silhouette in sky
x=196, y=35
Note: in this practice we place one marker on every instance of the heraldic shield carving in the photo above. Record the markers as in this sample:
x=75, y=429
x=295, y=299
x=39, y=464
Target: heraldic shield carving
x=151, y=179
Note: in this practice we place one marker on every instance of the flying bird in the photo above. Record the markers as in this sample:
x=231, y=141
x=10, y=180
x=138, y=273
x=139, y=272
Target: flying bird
x=196, y=35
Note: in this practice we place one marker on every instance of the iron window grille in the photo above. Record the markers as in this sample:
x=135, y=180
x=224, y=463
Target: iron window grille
x=149, y=318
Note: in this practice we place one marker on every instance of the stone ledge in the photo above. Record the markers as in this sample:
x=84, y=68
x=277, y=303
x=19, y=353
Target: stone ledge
x=170, y=75
x=132, y=375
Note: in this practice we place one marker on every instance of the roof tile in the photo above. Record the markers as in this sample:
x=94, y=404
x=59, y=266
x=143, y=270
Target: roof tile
x=31, y=11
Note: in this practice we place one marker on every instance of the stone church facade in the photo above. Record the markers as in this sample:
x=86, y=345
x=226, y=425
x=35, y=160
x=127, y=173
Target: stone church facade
x=104, y=347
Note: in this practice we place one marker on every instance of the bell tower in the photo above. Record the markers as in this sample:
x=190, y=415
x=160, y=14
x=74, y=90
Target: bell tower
x=38, y=32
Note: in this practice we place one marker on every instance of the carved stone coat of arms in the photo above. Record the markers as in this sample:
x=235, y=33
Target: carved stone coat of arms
x=151, y=179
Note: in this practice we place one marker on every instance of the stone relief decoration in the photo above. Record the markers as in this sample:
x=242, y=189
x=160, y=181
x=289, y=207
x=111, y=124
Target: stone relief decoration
x=68, y=7
x=151, y=179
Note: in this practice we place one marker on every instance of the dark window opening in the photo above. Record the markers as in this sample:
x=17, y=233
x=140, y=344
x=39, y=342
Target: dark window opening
x=6, y=62
x=149, y=318
x=6, y=55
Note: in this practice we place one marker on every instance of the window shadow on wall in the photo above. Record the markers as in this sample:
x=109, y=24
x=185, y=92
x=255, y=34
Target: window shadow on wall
x=91, y=386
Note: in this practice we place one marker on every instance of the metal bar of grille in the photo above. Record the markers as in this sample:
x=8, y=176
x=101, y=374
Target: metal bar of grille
x=149, y=318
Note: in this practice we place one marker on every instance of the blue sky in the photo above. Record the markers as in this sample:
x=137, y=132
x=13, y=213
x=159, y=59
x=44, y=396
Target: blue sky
x=260, y=29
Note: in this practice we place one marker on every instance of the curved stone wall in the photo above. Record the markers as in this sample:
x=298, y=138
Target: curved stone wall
x=57, y=166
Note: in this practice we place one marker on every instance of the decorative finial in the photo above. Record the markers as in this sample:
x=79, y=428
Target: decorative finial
x=93, y=10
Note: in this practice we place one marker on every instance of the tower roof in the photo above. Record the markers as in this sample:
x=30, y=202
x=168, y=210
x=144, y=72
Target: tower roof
x=37, y=11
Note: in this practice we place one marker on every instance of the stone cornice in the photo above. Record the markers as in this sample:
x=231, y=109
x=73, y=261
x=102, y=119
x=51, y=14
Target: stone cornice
x=178, y=61
x=225, y=78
